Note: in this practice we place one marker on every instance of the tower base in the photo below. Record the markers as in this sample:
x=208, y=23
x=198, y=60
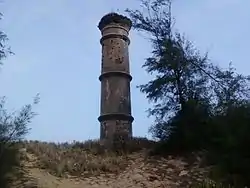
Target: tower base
x=115, y=133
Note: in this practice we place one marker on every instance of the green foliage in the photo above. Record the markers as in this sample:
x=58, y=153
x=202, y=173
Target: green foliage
x=231, y=89
x=231, y=145
x=197, y=106
x=13, y=126
x=178, y=66
x=114, y=18
x=4, y=48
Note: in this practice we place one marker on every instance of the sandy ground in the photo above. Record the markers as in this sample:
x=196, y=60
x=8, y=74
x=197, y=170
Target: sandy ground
x=169, y=173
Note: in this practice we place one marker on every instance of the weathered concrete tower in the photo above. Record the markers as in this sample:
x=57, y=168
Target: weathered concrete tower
x=115, y=118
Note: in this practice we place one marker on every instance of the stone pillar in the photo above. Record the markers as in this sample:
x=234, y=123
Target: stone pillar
x=115, y=116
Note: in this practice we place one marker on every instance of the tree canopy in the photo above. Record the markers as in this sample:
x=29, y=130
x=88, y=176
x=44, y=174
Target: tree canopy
x=198, y=106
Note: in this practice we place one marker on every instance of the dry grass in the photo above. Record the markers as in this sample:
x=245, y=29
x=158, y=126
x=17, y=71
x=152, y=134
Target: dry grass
x=83, y=159
x=89, y=158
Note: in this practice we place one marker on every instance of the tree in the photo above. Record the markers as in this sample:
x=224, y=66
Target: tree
x=198, y=106
x=180, y=69
x=234, y=90
x=231, y=128
x=4, y=48
x=13, y=125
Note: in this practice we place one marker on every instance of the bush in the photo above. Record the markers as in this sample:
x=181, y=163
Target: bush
x=9, y=160
x=225, y=138
x=13, y=128
x=231, y=147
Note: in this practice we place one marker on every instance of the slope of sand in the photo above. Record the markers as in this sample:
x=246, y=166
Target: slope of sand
x=157, y=173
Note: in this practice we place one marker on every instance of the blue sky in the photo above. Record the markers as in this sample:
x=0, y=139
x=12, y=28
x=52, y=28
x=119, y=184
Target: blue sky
x=58, y=54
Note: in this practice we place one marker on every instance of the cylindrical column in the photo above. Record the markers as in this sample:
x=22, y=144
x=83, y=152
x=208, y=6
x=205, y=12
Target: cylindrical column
x=115, y=116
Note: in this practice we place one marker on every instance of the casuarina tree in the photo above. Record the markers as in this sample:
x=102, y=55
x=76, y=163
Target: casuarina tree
x=197, y=106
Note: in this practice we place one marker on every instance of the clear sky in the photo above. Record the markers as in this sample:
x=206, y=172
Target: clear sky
x=58, y=54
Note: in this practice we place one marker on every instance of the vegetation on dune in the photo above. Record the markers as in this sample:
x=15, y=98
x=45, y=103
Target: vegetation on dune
x=197, y=105
x=88, y=159
x=83, y=159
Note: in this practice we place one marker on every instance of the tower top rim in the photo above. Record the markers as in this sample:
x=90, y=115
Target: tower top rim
x=115, y=19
